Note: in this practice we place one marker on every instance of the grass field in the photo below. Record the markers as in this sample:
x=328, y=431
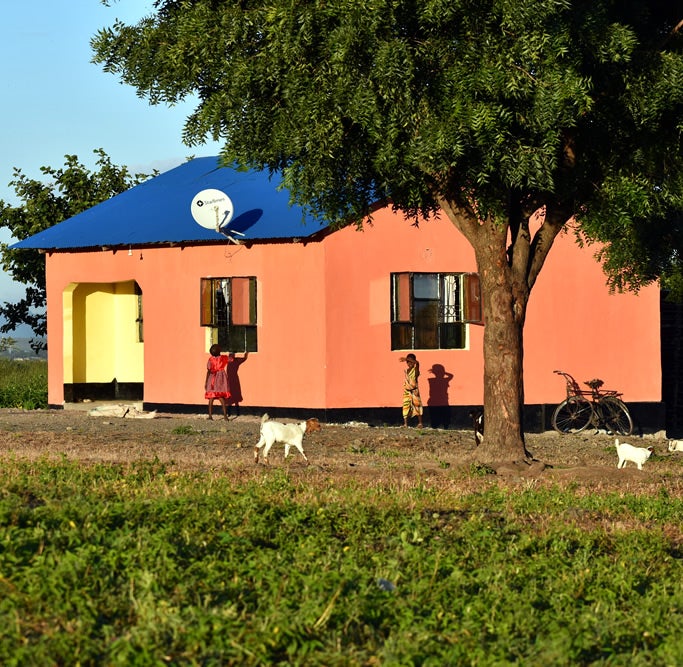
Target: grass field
x=142, y=562
x=136, y=565
x=23, y=384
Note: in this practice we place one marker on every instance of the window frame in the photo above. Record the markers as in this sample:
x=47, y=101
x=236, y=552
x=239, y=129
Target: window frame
x=420, y=320
x=236, y=329
x=139, y=320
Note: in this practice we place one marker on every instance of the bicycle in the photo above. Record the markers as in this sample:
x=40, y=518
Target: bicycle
x=585, y=407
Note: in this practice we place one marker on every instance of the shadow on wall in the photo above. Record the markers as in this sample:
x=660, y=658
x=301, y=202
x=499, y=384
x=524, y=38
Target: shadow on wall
x=439, y=408
x=234, y=383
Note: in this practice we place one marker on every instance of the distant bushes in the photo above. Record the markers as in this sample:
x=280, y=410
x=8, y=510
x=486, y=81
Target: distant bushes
x=23, y=384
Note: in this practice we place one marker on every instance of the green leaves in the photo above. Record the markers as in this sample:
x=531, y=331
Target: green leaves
x=424, y=99
x=62, y=193
x=143, y=564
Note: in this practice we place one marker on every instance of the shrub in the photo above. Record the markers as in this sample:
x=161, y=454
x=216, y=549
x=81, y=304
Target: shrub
x=23, y=384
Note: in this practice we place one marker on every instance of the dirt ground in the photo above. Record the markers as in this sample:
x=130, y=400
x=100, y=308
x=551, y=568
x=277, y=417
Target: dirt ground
x=339, y=453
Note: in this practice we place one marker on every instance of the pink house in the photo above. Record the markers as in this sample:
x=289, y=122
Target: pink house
x=141, y=285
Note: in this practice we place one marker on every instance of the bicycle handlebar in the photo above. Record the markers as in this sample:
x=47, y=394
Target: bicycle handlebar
x=595, y=384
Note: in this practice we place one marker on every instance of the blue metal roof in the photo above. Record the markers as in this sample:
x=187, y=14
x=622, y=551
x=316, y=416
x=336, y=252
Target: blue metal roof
x=159, y=211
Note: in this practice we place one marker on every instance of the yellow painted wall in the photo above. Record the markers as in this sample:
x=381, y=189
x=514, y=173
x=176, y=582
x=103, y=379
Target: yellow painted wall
x=67, y=333
x=100, y=333
x=129, y=351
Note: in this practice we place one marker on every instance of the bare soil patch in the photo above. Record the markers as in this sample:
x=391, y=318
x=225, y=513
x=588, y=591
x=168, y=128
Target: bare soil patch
x=340, y=453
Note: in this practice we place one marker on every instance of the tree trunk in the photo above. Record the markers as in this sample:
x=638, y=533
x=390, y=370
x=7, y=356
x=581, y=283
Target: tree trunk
x=508, y=262
x=504, y=303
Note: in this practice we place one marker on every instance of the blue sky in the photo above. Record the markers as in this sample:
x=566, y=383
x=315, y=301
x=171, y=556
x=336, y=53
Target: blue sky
x=56, y=102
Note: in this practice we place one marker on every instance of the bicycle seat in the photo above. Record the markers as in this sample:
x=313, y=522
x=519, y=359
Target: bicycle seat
x=594, y=384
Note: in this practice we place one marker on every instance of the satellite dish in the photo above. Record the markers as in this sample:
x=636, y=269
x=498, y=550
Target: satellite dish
x=212, y=209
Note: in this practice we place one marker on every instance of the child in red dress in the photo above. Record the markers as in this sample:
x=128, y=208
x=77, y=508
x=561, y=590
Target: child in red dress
x=216, y=383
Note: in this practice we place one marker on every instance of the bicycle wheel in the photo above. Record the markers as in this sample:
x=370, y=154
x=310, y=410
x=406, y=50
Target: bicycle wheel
x=572, y=415
x=615, y=416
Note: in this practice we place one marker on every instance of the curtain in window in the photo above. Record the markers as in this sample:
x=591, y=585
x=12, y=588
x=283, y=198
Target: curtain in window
x=206, y=318
x=451, y=298
x=402, y=311
x=472, y=306
x=243, y=306
x=225, y=290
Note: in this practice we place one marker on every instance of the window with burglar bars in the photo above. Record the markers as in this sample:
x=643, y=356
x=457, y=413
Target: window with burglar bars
x=229, y=306
x=430, y=311
x=139, y=321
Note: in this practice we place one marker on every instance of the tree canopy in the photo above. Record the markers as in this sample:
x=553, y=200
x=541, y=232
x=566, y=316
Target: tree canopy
x=485, y=111
x=577, y=103
x=63, y=193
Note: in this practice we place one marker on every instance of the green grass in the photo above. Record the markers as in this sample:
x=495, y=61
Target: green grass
x=23, y=384
x=136, y=564
x=183, y=429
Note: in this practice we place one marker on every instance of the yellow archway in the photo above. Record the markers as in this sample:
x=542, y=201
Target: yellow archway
x=103, y=341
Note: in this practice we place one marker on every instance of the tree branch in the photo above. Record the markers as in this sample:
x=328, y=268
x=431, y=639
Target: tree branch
x=464, y=218
x=543, y=240
x=520, y=244
x=672, y=33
